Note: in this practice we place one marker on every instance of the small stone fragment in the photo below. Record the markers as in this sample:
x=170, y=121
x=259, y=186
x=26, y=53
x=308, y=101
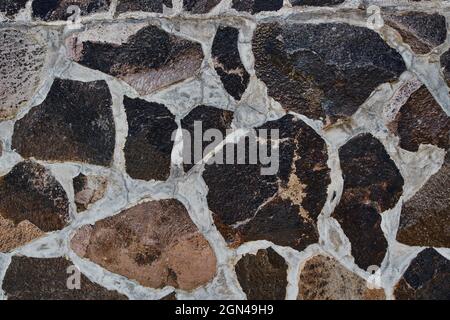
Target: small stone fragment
x=170, y=297
x=256, y=6
x=51, y=10
x=445, y=64
x=75, y=119
x=227, y=62
x=88, y=190
x=263, y=276
x=143, y=5
x=372, y=185
x=324, y=278
x=154, y=243
x=22, y=58
x=149, y=143
x=199, y=6
x=12, y=7
x=316, y=3
x=46, y=279
x=427, y=278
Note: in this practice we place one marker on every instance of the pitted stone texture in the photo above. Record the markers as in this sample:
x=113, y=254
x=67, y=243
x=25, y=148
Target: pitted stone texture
x=154, y=243
x=46, y=279
x=12, y=7
x=52, y=10
x=312, y=69
x=227, y=62
x=263, y=276
x=445, y=64
x=142, y=5
x=88, y=190
x=372, y=185
x=199, y=6
x=31, y=200
x=425, y=218
x=74, y=123
x=427, y=278
x=149, y=143
x=150, y=60
x=324, y=278
x=256, y=6
x=22, y=58
x=421, y=31
x=316, y=3
x=421, y=120
x=209, y=118
x=281, y=208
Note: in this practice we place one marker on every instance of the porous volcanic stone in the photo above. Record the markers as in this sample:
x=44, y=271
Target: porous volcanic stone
x=312, y=69
x=149, y=143
x=46, y=279
x=372, y=185
x=22, y=58
x=255, y=6
x=316, y=3
x=263, y=276
x=199, y=6
x=154, y=243
x=425, y=218
x=88, y=190
x=324, y=278
x=51, y=10
x=151, y=59
x=427, y=278
x=142, y=5
x=12, y=7
x=227, y=62
x=75, y=120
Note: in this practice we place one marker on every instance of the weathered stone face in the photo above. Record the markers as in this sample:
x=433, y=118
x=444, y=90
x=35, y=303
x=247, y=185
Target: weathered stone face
x=31, y=202
x=22, y=58
x=75, y=119
x=88, y=190
x=263, y=276
x=427, y=278
x=51, y=10
x=199, y=6
x=143, y=5
x=149, y=142
x=445, y=64
x=150, y=60
x=46, y=279
x=317, y=3
x=372, y=184
x=323, y=278
x=256, y=6
x=12, y=7
x=311, y=69
x=281, y=208
x=154, y=243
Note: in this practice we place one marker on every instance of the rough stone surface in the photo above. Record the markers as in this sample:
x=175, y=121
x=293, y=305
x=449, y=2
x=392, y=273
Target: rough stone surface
x=445, y=64
x=318, y=3
x=199, y=6
x=310, y=69
x=263, y=276
x=22, y=58
x=227, y=62
x=143, y=5
x=323, y=278
x=372, y=185
x=75, y=119
x=256, y=6
x=51, y=10
x=12, y=7
x=427, y=278
x=88, y=190
x=154, y=243
x=46, y=279
x=149, y=142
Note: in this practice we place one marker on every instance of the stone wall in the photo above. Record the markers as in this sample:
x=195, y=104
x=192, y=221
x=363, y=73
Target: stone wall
x=91, y=177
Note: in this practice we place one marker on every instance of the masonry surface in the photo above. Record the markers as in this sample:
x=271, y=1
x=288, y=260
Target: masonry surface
x=91, y=177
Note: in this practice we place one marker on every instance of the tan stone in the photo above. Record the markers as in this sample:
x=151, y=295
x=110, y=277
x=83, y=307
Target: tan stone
x=13, y=236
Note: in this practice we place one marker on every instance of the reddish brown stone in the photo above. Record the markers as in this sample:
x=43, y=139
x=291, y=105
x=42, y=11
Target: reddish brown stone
x=51, y=10
x=88, y=190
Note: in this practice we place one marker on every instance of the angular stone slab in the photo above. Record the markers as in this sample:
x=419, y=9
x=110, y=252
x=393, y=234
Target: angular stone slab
x=372, y=185
x=316, y=3
x=256, y=6
x=154, y=243
x=142, y=5
x=88, y=190
x=75, y=119
x=312, y=69
x=52, y=10
x=263, y=276
x=46, y=279
x=199, y=6
x=11, y=7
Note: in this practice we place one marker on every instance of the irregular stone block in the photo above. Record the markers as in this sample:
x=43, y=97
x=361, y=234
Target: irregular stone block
x=88, y=190
x=227, y=62
x=427, y=278
x=151, y=59
x=48, y=279
x=445, y=64
x=154, y=243
x=263, y=276
x=75, y=119
x=199, y=6
x=324, y=278
x=421, y=120
x=142, y=5
x=22, y=58
x=256, y=6
x=149, y=143
x=421, y=31
x=372, y=185
x=281, y=208
x=425, y=218
x=312, y=69
x=52, y=10
x=316, y=3
x=32, y=201
x=11, y=7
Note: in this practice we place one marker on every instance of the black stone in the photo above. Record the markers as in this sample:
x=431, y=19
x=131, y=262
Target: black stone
x=255, y=6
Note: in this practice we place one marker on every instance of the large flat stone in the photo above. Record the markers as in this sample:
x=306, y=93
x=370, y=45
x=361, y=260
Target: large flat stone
x=51, y=10
x=142, y=5
x=256, y=6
